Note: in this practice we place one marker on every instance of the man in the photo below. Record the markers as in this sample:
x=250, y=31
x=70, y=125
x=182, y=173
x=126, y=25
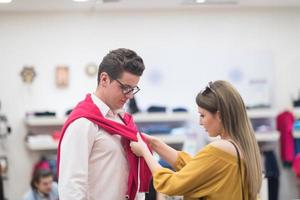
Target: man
x=42, y=186
x=95, y=161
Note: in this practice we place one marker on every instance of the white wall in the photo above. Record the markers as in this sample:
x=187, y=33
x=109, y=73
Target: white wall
x=174, y=44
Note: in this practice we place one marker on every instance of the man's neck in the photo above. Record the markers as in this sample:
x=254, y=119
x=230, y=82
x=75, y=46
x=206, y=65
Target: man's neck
x=100, y=95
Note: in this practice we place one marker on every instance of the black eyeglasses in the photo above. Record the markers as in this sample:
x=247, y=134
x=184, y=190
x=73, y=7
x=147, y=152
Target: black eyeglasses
x=126, y=89
x=208, y=89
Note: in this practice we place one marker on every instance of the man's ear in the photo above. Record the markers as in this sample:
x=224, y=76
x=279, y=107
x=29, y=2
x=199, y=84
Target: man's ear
x=104, y=79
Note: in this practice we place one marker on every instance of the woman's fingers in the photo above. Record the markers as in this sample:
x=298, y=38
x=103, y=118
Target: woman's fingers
x=139, y=137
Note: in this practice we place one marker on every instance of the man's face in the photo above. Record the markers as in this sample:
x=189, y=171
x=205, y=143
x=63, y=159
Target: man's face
x=44, y=185
x=114, y=91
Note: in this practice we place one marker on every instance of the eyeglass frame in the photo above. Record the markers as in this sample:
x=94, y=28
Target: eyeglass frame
x=130, y=89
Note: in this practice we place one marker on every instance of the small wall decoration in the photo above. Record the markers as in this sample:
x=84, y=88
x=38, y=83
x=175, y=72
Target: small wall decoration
x=28, y=74
x=62, y=76
x=91, y=69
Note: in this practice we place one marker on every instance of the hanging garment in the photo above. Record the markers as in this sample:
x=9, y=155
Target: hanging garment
x=285, y=122
x=296, y=165
x=41, y=164
x=87, y=109
x=272, y=174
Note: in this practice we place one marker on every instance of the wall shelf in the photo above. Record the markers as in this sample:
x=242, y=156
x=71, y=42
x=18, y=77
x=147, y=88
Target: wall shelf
x=150, y=117
x=40, y=122
x=296, y=134
x=296, y=112
x=143, y=118
x=269, y=115
x=271, y=136
x=171, y=139
x=44, y=121
x=52, y=145
x=139, y=117
x=262, y=113
x=41, y=146
x=161, y=117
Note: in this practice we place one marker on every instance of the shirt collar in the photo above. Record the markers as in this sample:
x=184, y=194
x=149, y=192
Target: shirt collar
x=100, y=104
x=42, y=195
x=105, y=110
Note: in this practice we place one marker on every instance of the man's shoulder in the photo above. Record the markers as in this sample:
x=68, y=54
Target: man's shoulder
x=55, y=189
x=81, y=120
x=80, y=123
x=29, y=195
x=54, y=184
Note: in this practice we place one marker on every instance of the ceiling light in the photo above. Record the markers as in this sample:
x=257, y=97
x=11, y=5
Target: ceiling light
x=5, y=1
x=200, y=1
x=80, y=0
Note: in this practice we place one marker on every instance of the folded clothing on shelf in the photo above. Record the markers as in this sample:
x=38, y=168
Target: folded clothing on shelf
x=41, y=114
x=157, y=109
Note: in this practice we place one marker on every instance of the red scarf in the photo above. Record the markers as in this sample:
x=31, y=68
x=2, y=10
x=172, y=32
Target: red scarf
x=87, y=109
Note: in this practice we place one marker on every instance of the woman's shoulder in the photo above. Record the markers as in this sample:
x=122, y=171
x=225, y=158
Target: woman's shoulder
x=225, y=146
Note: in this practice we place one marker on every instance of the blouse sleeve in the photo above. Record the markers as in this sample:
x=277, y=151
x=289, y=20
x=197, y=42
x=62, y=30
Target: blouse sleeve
x=198, y=176
x=182, y=159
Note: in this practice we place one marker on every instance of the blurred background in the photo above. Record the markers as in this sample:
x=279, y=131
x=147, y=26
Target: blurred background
x=49, y=56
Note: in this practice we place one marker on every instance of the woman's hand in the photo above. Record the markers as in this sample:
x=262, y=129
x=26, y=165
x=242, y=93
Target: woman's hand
x=149, y=139
x=140, y=147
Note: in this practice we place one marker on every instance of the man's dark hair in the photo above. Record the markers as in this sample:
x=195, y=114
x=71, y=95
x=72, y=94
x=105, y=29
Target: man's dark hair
x=38, y=174
x=120, y=60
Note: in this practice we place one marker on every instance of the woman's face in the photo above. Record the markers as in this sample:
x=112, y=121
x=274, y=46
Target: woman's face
x=210, y=121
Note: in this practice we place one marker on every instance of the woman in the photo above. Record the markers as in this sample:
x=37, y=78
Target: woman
x=228, y=168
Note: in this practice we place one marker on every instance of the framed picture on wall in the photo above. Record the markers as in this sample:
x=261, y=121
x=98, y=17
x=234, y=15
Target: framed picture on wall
x=62, y=76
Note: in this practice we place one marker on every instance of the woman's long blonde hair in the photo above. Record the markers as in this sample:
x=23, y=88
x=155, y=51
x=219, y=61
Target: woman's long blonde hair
x=223, y=97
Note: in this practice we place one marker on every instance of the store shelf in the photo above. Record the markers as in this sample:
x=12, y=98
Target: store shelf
x=44, y=121
x=140, y=117
x=50, y=145
x=262, y=113
x=296, y=133
x=161, y=117
x=171, y=139
x=296, y=112
x=42, y=143
x=272, y=136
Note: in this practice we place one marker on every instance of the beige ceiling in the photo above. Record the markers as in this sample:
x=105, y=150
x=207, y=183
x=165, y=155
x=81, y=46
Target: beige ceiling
x=111, y=5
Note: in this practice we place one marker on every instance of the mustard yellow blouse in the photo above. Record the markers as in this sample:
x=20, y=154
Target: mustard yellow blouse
x=212, y=173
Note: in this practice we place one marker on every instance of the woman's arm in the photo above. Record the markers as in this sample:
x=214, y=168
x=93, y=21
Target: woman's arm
x=140, y=148
x=166, y=152
x=151, y=162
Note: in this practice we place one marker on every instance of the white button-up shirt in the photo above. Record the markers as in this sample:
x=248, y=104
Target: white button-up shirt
x=93, y=164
